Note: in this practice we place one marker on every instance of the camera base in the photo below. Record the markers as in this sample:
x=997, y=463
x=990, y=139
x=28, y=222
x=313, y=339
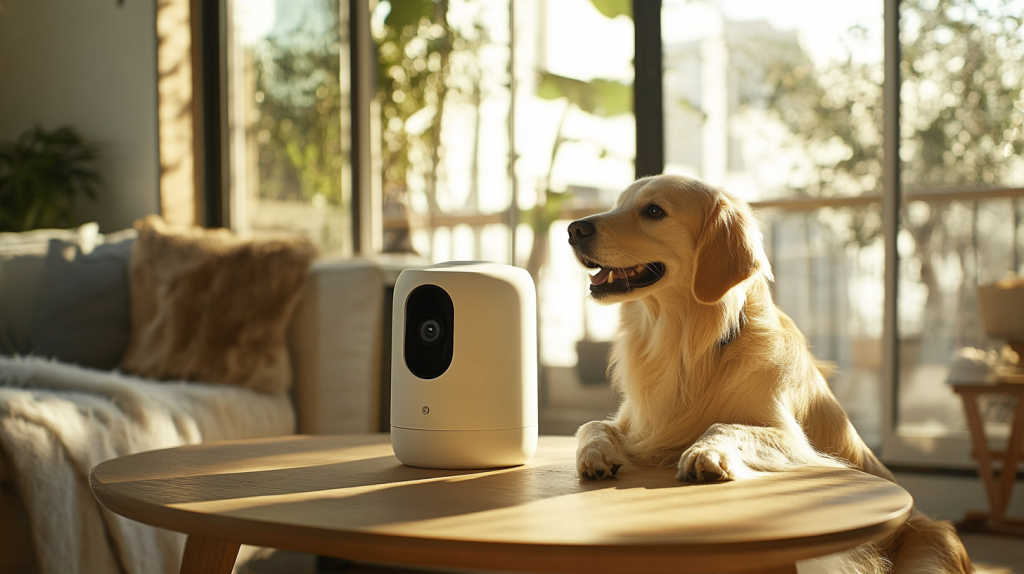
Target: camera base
x=464, y=449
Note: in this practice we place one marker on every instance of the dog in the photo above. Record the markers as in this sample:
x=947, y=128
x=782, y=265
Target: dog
x=713, y=377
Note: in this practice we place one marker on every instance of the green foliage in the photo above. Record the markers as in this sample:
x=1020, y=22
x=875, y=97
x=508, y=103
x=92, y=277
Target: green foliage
x=614, y=8
x=834, y=115
x=409, y=13
x=414, y=52
x=40, y=175
x=962, y=74
x=597, y=97
x=963, y=90
x=298, y=100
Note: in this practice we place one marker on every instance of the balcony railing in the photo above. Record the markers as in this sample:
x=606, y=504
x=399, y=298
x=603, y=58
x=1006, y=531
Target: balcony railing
x=792, y=204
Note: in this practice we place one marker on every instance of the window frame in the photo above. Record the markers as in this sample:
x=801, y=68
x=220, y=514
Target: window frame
x=209, y=104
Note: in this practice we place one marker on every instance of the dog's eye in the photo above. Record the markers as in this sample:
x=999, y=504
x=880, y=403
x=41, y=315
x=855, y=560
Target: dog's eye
x=654, y=212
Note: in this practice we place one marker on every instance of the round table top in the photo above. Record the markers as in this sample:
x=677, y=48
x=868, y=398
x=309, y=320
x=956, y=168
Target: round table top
x=348, y=496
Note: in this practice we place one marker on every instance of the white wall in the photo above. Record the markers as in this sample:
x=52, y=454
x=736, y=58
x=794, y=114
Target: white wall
x=90, y=64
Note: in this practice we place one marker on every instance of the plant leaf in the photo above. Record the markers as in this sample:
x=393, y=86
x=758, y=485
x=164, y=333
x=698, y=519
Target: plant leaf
x=614, y=8
x=40, y=174
x=409, y=13
x=598, y=97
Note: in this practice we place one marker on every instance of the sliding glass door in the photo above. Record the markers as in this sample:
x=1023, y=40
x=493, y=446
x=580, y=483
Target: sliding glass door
x=962, y=177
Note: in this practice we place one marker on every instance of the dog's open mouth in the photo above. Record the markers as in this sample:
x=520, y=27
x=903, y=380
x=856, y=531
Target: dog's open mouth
x=610, y=280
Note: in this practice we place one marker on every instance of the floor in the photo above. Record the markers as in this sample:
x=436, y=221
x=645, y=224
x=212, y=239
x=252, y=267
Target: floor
x=995, y=554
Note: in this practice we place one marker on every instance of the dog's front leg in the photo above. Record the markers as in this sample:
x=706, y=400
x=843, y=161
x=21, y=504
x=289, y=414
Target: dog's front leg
x=599, y=452
x=734, y=451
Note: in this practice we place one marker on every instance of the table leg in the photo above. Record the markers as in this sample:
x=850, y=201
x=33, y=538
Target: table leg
x=982, y=454
x=1013, y=448
x=208, y=555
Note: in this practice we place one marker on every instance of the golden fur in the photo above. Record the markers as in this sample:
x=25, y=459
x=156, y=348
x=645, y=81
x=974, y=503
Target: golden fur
x=714, y=378
x=208, y=306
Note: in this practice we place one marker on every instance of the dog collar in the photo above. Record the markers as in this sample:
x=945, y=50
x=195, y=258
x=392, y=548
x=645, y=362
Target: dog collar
x=735, y=332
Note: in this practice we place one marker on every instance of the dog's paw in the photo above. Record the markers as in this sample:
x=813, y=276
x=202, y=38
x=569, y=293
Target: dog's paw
x=704, y=463
x=596, y=461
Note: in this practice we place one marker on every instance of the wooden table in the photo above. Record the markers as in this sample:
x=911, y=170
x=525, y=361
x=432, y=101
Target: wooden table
x=998, y=494
x=349, y=497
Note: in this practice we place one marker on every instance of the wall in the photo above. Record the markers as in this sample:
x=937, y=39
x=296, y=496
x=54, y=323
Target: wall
x=90, y=64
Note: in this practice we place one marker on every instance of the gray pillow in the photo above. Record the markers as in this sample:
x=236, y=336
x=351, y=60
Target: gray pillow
x=81, y=310
x=19, y=282
x=22, y=260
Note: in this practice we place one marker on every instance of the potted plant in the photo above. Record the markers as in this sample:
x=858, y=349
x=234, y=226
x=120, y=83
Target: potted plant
x=40, y=175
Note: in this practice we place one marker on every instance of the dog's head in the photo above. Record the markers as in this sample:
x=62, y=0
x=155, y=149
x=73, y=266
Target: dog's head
x=670, y=232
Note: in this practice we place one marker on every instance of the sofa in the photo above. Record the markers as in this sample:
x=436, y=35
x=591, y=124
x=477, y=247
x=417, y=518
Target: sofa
x=65, y=405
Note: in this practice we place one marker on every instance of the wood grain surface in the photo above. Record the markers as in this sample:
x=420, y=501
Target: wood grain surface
x=349, y=497
x=208, y=555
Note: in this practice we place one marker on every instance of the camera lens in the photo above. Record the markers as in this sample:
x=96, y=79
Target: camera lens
x=430, y=331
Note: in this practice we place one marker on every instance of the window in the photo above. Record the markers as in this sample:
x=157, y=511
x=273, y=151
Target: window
x=288, y=89
x=446, y=77
x=493, y=124
x=443, y=102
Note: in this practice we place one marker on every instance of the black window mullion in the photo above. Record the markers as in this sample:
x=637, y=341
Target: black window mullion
x=891, y=205
x=209, y=108
x=647, y=88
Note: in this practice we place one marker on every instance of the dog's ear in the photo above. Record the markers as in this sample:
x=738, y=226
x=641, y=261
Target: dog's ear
x=728, y=252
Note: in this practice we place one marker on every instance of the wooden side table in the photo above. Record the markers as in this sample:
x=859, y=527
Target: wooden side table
x=998, y=493
x=349, y=497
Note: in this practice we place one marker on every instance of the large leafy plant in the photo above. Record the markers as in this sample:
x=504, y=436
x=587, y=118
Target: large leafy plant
x=40, y=175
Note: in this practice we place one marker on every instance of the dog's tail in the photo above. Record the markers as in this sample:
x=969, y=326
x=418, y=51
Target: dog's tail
x=927, y=546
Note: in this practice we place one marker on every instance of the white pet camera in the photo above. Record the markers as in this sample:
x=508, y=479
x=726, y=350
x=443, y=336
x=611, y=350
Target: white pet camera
x=464, y=366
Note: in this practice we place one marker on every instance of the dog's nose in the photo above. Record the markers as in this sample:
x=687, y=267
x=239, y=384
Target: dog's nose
x=580, y=229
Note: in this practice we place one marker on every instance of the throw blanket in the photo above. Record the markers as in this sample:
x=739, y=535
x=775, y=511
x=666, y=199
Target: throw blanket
x=58, y=421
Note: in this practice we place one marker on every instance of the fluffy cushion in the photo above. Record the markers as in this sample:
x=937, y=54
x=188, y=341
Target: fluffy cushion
x=208, y=306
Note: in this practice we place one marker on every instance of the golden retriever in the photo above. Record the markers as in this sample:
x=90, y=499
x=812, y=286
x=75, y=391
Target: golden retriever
x=713, y=376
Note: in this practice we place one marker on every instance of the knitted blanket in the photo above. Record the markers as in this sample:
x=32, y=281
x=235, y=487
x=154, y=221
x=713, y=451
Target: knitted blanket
x=58, y=421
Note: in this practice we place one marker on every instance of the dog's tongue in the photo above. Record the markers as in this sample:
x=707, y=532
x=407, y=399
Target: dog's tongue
x=600, y=277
